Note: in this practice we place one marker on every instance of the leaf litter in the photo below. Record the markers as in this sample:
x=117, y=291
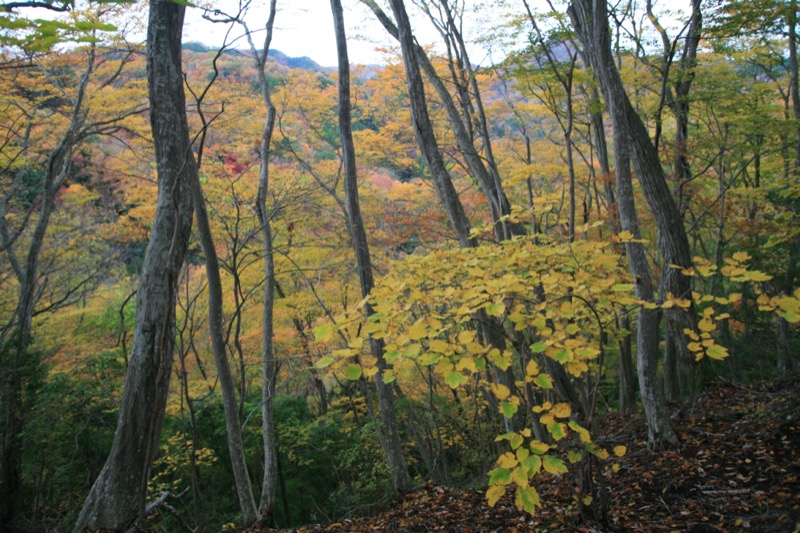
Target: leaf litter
x=737, y=468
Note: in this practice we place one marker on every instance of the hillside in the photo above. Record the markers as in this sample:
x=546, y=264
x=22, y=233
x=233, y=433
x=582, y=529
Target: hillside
x=737, y=469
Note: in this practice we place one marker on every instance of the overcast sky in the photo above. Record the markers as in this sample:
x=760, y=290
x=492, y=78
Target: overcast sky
x=305, y=28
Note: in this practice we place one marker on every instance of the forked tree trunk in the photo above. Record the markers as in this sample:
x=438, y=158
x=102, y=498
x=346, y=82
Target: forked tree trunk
x=388, y=431
x=590, y=19
x=270, y=479
x=443, y=183
x=492, y=187
x=118, y=495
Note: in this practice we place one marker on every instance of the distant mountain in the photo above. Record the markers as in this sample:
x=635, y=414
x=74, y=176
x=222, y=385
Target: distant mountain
x=279, y=57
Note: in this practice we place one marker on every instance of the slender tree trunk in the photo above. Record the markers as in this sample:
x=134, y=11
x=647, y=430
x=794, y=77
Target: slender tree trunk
x=17, y=360
x=647, y=336
x=424, y=130
x=591, y=22
x=499, y=205
x=389, y=431
x=590, y=19
x=118, y=495
x=269, y=483
x=233, y=426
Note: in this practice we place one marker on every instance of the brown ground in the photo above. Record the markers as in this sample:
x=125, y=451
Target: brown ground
x=737, y=469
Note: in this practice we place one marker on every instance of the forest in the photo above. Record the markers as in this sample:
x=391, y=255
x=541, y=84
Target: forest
x=242, y=291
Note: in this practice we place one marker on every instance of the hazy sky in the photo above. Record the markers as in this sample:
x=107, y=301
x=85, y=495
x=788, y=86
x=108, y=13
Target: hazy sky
x=305, y=28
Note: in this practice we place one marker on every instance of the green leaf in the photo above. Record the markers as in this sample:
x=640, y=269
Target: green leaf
x=538, y=347
x=544, y=381
x=533, y=464
x=455, y=379
x=527, y=498
x=352, y=372
x=556, y=429
x=500, y=476
x=508, y=409
x=430, y=358
x=324, y=362
x=324, y=333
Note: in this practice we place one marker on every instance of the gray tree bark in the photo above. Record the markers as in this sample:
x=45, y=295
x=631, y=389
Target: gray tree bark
x=590, y=20
x=269, y=482
x=491, y=184
x=118, y=495
x=233, y=426
x=443, y=183
x=388, y=432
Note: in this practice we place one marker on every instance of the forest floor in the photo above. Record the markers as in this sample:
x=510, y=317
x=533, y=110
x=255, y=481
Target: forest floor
x=737, y=469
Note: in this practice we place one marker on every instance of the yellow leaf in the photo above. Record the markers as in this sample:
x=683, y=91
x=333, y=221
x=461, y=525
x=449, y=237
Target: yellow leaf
x=562, y=410
x=620, y=451
x=356, y=343
x=417, y=331
x=494, y=494
x=500, y=391
x=468, y=364
x=466, y=337
x=531, y=369
x=741, y=257
x=440, y=346
x=717, y=352
x=507, y=460
x=706, y=325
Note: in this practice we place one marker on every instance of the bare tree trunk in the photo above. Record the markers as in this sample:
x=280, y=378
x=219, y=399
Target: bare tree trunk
x=499, y=205
x=590, y=20
x=647, y=336
x=269, y=483
x=118, y=495
x=388, y=432
x=233, y=426
x=441, y=178
x=424, y=130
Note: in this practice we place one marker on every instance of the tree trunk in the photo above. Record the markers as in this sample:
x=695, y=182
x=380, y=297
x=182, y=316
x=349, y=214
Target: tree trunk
x=441, y=177
x=118, y=495
x=14, y=351
x=660, y=429
x=233, y=426
x=270, y=478
x=591, y=23
x=388, y=432
x=590, y=19
x=499, y=205
x=424, y=130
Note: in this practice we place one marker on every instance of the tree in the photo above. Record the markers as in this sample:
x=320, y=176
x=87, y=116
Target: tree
x=35, y=173
x=388, y=430
x=117, y=498
x=591, y=23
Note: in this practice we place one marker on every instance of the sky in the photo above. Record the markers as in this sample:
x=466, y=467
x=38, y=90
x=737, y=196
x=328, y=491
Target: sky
x=305, y=28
